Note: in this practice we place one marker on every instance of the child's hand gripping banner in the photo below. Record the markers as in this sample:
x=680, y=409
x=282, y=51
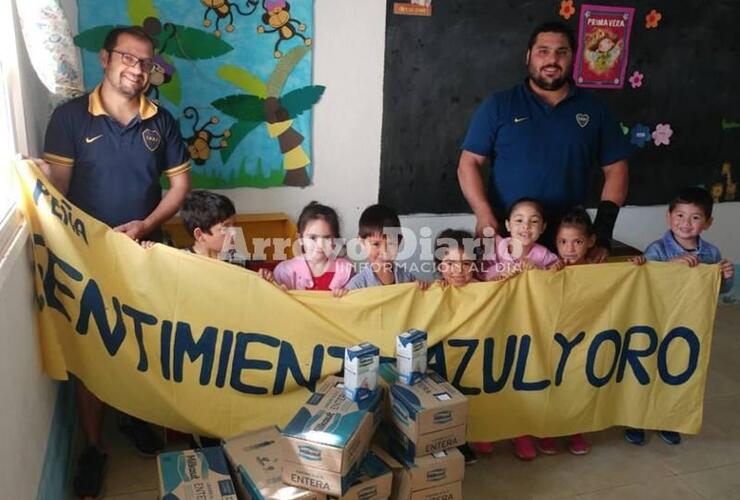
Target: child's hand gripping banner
x=203, y=346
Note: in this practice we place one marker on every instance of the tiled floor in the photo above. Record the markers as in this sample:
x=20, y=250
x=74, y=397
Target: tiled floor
x=706, y=466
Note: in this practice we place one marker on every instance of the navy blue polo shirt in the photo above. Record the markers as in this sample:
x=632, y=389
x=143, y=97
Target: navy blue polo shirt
x=116, y=168
x=542, y=151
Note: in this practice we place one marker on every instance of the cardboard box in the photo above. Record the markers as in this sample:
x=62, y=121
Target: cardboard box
x=434, y=470
x=330, y=431
x=361, y=371
x=411, y=356
x=256, y=462
x=200, y=474
x=374, y=480
x=319, y=480
x=429, y=406
x=433, y=442
x=450, y=491
x=397, y=469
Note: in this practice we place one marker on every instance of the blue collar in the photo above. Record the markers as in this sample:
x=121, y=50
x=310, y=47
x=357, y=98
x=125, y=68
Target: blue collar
x=674, y=248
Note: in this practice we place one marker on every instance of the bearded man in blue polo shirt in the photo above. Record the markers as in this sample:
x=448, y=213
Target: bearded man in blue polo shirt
x=106, y=151
x=543, y=137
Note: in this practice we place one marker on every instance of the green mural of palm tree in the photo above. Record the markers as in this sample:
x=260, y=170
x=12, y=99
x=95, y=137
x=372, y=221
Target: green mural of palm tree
x=263, y=103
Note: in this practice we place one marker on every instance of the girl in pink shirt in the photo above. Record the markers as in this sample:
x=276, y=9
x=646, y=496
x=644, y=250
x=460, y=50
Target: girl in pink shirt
x=519, y=251
x=318, y=268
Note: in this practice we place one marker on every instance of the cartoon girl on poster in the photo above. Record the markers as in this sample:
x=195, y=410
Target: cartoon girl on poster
x=603, y=51
x=603, y=46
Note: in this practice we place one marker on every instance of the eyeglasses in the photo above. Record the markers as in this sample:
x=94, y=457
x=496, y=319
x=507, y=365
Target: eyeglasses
x=146, y=65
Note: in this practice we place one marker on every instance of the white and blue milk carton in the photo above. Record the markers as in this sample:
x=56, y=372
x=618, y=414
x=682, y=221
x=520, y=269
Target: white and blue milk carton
x=411, y=356
x=361, y=364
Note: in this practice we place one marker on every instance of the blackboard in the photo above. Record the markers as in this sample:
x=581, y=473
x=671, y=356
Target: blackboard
x=439, y=68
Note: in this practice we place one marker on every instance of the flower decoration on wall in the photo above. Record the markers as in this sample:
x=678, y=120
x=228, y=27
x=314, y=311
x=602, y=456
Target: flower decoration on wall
x=652, y=19
x=567, y=9
x=662, y=134
x=636, y=79
x=639, y=135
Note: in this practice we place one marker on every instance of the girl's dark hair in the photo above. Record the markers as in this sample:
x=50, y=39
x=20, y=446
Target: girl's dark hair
x=456, y=236
x=316, y=210
x=204, y=209
x=531, y=201
x=578, y=217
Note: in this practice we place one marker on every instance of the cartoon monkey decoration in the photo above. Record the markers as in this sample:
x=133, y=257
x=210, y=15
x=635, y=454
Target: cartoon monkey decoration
x=162, y=71
x=160, y=74
x=224, y=9
x=277, y=16
x=199, y=145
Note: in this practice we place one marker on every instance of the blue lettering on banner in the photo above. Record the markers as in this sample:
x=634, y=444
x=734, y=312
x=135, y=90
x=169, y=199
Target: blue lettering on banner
x=224, y=358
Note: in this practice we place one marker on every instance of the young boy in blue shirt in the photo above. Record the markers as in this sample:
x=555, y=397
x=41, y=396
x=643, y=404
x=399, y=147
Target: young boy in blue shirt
x=689, y=214
x=380, y=232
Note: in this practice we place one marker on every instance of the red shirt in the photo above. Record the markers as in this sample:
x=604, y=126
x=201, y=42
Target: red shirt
x=322, y=282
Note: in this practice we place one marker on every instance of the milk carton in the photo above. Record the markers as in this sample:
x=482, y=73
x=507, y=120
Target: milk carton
x=361, y=371
x=411, y=356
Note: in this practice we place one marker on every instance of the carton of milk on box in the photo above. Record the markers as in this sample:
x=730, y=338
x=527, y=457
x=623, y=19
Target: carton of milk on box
x=361, y=364
x=411, y=356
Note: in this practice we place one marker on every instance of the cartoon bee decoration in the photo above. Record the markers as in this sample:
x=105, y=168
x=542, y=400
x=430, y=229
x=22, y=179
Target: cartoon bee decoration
x=277, y=16
x=223, y=10
x=200, y=144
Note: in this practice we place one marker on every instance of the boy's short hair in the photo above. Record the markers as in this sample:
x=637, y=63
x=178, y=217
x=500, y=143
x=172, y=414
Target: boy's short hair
x=375, y=218
x=694, y=196
x=204, y=209
x=577, y=216
x=457, y=237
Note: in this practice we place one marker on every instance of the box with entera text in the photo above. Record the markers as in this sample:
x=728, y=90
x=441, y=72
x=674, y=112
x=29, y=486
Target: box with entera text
x=256, y=461
x=330, y=431
x=431, y=405
x=439, y=468
x=427, y=444
x=195, y=474
x=374, y=480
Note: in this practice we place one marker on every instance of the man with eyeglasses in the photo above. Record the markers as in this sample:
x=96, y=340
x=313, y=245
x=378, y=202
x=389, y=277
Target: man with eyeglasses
x=106, y=151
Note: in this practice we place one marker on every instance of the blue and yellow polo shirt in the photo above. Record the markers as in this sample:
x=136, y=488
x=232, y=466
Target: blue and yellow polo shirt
x=116, y=168
x=542, y=151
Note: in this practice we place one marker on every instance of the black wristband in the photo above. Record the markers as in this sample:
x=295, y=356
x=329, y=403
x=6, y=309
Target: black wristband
x=606, y=217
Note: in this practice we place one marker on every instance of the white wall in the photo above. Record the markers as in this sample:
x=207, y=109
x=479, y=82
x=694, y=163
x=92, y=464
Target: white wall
x=27, y=395
x=348, y=59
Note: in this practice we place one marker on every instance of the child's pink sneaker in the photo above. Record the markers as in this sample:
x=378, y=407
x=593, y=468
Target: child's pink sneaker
x=483, y=447
x=547, y=446
x=524, y=448
x=578, y=445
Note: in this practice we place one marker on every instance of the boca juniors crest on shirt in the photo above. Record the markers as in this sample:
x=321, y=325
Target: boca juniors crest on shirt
x=603, y=46
x=152, y=139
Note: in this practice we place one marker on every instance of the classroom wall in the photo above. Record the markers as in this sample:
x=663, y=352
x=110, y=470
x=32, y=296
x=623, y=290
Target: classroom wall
x=28, y=396
x=349, y=59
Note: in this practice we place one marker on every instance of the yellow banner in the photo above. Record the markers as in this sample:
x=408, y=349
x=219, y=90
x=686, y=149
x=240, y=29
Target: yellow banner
x=203, y=346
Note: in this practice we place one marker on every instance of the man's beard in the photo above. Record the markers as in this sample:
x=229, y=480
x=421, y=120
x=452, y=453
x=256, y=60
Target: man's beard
x=541, y=82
